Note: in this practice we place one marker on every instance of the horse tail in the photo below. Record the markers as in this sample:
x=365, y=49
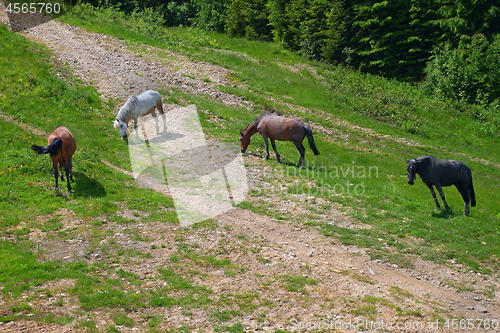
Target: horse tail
x=310, y=138
x=472, y=194
x=53, y=148
x=159, y=105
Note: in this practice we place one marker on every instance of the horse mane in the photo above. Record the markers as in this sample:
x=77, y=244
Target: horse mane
x=125, y=112
x=424, y=159
x=257, y=120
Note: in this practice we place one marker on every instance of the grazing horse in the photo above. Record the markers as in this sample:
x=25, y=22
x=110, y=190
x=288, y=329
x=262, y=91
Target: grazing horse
x=139, y=106
x=279, y=128
x=438, y=172
x=62, y=146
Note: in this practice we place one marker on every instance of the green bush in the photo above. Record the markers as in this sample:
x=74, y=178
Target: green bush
x=147, y=21
x=470, y=72
x=179, y=14
x=211, y=15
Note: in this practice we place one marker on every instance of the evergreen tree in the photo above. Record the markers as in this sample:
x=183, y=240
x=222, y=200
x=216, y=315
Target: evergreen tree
x=315, y=28
x=395, y=38
x=465, y=17
x=248, y=18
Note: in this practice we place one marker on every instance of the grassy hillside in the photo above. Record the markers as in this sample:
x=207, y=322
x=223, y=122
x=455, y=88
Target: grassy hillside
x=404, y=122
x=370, y=124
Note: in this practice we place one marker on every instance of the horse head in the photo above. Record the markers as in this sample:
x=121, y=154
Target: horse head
x=122, y=126
x=411, y=169
x=244, y=141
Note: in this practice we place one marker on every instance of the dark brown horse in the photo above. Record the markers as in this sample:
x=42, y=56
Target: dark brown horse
x=438, y=172
x=279, y=128
x=62, y=146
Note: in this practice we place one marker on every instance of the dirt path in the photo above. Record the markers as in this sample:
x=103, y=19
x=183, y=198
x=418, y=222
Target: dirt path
x=348, y=285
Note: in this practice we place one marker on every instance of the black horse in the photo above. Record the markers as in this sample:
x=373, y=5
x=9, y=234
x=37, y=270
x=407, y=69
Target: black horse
x=438, y=172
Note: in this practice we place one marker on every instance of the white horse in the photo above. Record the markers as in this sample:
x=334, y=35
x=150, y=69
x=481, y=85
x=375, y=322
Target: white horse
x=139, y=106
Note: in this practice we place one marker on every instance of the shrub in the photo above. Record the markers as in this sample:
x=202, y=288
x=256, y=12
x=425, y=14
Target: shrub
x=470, y=72
x=211, y=15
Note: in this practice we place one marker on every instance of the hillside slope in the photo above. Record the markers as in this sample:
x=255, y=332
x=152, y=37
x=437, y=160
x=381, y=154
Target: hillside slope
x=257, y=272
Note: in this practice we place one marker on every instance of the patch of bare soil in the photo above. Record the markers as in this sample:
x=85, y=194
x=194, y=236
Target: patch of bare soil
x=341, y=285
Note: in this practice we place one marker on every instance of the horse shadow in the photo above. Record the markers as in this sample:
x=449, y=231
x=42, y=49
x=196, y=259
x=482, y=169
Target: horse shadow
x=162, y=137
x=252, y=154
x=284, y=162
x=87, y=187
x=292, y=164
x=443, y=214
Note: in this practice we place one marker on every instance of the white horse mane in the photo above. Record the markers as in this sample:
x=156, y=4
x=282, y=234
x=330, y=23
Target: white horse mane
x=126, y=112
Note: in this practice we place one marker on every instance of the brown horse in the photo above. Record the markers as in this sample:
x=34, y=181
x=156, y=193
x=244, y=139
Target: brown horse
x=279, y=128
x=62, y=146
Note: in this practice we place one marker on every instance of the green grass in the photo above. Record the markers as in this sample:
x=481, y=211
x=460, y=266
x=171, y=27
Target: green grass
x=236, y=328
x=121, y=319
x=21, y=271
x=297, y=283
x=33, y=92
x=375, y=124
x=225, y=315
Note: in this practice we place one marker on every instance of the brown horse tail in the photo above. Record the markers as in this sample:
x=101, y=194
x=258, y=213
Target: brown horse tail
x=311, y=140
x=472, y=194
x=53, y=148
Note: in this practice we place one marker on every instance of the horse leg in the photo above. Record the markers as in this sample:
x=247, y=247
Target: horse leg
x=434, y=196
x=155, y=118
x=440, y=190
x=164, y=122
x=71, y=169
x=66, y=169
x=61, y=171
x=266, y=142
x=302, y=152
x=61, y=162
x=274, y=147
x=135, y=128
x=56, y=174
x=464, y=191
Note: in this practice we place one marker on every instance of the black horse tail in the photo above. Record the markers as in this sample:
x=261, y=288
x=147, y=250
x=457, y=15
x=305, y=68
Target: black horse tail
x=53, y=148
x=311, y=140
x=472, y=194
